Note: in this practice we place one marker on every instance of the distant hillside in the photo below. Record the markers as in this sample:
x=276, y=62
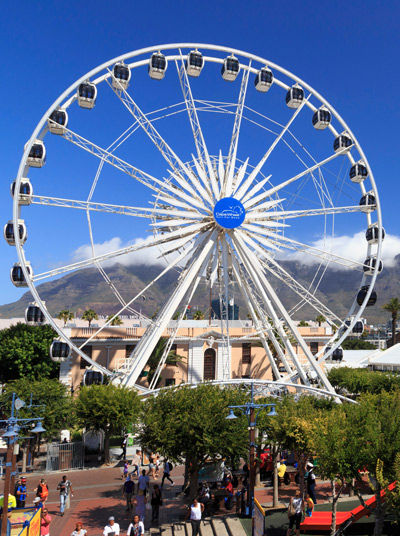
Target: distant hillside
x=87, y=288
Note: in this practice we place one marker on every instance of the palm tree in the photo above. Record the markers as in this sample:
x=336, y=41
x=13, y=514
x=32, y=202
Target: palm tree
x=115, y=321
x=303, y=324
x=320, y=319
x=89, y=315
x=393, y=306
x=65, y=315
x=156, y=355
x=198, y=315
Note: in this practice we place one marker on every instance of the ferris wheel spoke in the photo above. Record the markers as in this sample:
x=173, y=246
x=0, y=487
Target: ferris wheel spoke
x=178, y=167
x=150, y=338
x=139, y=212
x=201, y=147
x=288, y=214
x=246, y=253
x=231, y=161
x=270, y=264
x=272, y=191
x=241, y=193
x=258, y=317
x=250, y=264
x=194, y=246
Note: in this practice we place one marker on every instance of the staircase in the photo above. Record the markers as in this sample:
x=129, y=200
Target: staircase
x=217, y=526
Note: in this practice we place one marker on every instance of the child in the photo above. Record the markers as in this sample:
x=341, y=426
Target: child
x=309, y=506
x=125, y=473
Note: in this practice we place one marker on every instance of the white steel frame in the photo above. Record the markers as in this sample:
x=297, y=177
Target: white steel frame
x=184, y=212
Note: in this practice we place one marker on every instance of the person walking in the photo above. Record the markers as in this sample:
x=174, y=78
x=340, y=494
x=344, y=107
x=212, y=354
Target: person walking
x=21, y=493
x=45, y=523
x=124, y=444
x=128, y=490
x=156, y=502
x=136, y=528
x=79, y=530
x=194, y=514
x=295, y=511
x=166, y=475
x=112, y=528
x=143, y=482
x=136, y=462
x=65, y=488
x=140, y=502
x=42, y=491
x=311, y=482
x=152, y=466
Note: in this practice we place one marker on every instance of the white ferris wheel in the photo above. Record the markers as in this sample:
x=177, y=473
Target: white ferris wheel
x=236, y=166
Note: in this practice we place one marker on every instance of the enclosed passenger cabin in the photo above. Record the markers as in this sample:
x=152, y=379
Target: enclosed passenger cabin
x=92, y=377
x=369, y=266
x=9, y=235
x=358, y=327
x=358, y=172
x=25, y=191
x=59, y=351
x=34, y=315
x=362, y=293
x=336, y=355
x=264, y=79
x=194, y=63
x=312, y=376
x=17, y=275
x=157, y=66
x=321, y=118
x=368, y=202
x=295, y=96
x=37, y=154
x=57, y=121
x=86, y=95
x=343, y=141
x=121, y=76
x=372, y=233
x=230, y=68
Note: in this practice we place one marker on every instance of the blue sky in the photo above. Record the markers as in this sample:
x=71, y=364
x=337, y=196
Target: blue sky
x=347, y=51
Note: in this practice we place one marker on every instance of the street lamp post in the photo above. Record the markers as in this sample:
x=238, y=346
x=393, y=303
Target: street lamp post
x=251, y=411
x=11, y=435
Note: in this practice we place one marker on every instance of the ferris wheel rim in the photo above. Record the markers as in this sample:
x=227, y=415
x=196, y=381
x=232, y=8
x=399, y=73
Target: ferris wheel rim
x=40, y=132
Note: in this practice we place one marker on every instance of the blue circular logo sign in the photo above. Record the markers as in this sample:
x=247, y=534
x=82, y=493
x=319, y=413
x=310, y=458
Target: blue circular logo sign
x=229, y=213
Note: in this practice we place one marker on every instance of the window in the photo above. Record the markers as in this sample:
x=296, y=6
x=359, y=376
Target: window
x=169, y=381
x=88, y=351
x=128, y=350
x=314, y=347
x=246, y=353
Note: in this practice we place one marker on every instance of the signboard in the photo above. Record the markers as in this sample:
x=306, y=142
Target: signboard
x=229, y=213
x=259, y=519
x=34, y=525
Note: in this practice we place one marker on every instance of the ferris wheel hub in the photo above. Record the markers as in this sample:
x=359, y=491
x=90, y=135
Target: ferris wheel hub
x=229, y=213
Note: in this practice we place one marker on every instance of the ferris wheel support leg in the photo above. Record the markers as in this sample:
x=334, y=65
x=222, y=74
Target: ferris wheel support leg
x=252, y=306
x=149, y=340
x=248, y=262
x=303, y=345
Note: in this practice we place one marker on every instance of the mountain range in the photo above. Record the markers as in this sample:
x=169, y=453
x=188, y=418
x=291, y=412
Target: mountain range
x=86, y=288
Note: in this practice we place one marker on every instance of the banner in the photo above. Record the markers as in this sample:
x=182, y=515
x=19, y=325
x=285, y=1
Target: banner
x=259, y=519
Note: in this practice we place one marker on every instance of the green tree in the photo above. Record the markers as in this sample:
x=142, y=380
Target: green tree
x=115, y=321
x=303, y=324
x=393, y=307
x=355, y=343
x=108, y=408
x=198, y=315
x=190, y=424
x=24, y=353
x=65, y=315
x=320, y=319
x=90, y=315
x=376, y=420
x=357, y=381
x=55, y=405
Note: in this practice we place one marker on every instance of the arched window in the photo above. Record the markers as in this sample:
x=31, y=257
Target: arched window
x=209, y=364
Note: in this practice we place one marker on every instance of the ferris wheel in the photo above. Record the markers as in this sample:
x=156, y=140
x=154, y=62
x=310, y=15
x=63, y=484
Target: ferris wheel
x=240, y=170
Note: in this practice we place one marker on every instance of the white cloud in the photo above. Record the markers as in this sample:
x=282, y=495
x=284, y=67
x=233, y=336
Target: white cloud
x=351, y=247
x=148, y=256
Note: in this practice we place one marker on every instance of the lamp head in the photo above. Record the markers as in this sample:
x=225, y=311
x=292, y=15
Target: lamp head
x=231, y=415
x=272, y=412
x=11, y=432
x=38, y=428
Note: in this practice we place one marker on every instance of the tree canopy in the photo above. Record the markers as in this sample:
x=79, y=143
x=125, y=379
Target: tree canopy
x=89, y=315
x=24, y=353
x=358, y=381
x=108, y=408
x=356, y=343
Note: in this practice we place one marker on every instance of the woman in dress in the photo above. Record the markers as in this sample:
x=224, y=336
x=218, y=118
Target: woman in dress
x=156, y=502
